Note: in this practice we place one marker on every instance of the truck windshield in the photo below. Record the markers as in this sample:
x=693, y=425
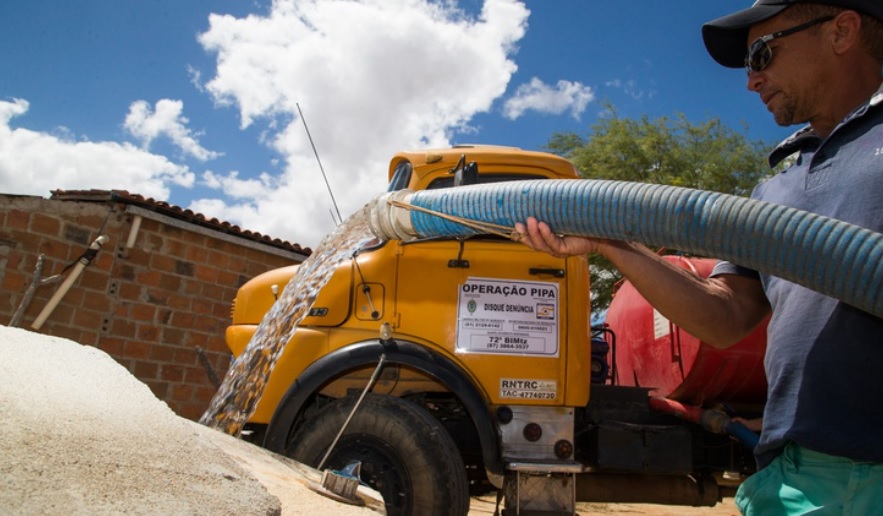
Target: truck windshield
x=401, y=177
x=447, y=182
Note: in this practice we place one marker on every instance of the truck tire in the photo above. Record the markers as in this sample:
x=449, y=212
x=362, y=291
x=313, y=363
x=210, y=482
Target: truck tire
x=406, y=455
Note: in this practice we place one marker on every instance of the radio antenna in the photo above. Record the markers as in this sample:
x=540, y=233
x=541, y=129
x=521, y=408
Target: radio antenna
x=327, y=184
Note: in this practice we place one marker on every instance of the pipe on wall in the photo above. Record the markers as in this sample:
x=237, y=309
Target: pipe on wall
x=69, y=281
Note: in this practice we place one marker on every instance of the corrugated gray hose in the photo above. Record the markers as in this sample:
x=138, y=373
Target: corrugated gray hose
x=833, y=257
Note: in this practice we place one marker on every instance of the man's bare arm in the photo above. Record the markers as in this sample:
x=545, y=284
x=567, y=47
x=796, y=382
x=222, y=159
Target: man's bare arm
x=719, y=311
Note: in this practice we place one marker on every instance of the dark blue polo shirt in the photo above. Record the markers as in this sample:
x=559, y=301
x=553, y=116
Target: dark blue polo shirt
x=824, y=359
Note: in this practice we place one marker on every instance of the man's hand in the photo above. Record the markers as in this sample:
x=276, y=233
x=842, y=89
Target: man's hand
x=538, y=236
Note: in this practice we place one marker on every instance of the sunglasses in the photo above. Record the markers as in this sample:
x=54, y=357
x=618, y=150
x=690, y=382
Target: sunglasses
x=760, y=54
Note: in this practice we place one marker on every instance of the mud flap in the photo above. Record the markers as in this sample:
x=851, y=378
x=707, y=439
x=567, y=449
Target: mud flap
x=546, y=494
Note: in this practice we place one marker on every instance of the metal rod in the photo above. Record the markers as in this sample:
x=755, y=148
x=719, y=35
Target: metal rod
x=353, y=411
x=207, y=365
x=29, y=293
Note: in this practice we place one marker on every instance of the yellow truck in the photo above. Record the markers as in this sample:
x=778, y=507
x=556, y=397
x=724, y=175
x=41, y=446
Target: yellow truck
x=493, y=377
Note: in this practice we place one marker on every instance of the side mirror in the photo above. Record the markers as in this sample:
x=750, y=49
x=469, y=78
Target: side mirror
x=467, y=174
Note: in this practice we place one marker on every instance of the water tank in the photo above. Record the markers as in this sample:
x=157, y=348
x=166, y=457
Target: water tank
x=650, y=351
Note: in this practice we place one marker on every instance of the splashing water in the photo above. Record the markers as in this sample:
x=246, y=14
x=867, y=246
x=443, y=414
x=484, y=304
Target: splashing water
x=244, y=384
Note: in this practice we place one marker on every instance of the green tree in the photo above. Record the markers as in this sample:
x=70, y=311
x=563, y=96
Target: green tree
x=671, y=151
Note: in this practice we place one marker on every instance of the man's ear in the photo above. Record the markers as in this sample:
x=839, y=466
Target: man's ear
x=846, y=33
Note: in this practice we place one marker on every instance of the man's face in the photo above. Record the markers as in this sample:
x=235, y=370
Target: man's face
x=790, y=84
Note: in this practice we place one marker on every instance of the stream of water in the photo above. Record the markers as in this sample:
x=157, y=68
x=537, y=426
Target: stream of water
x=247, y=377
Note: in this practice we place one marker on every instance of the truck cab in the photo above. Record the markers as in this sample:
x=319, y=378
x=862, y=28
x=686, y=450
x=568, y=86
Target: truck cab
x=484, y=371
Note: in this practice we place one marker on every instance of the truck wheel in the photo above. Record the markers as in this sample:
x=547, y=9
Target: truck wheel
x=406, y=455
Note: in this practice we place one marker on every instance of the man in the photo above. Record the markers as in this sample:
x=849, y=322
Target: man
x=821, y=446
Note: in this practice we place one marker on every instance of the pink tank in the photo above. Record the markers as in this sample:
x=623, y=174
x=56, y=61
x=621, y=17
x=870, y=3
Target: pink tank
x=652, y=352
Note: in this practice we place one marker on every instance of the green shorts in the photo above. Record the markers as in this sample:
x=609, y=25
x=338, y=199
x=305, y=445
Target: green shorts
x=801, y=481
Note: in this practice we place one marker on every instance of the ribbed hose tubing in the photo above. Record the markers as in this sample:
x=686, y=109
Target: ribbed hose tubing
x=835, y=258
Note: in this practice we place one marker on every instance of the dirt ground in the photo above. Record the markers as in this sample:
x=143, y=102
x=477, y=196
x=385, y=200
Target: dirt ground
x=484, y=505
x=77, y=419
x=82, y=436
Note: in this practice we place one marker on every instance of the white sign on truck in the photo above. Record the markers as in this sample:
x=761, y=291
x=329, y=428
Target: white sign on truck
x=504, y=317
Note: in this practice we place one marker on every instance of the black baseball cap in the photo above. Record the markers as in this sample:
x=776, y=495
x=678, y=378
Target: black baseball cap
x=726, y=38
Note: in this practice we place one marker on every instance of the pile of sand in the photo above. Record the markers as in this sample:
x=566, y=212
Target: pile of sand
x=83, y=436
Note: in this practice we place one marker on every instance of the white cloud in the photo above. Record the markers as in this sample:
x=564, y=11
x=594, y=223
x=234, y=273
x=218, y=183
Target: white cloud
x=630, y=88
x=372, y=77
x=34, y=163
x=240, y=188
x=166, y=120
x=195, y=78
x=539, y=96
x=10, y=110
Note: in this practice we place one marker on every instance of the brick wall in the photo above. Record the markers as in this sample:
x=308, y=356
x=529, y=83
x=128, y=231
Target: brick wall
x=159, y=307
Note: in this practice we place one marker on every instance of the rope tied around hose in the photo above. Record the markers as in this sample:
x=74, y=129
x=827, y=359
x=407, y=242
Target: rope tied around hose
x=485, y=227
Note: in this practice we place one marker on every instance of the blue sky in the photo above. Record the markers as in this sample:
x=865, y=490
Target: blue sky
x=195, y=102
